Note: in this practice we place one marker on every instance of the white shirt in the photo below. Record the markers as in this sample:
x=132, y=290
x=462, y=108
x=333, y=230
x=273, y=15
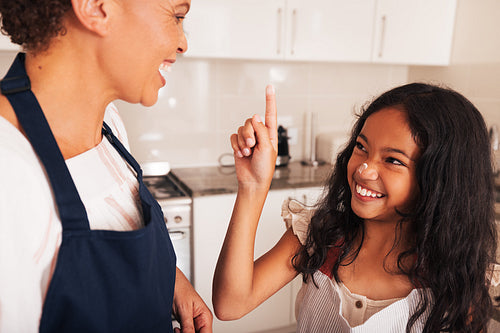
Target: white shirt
x=30, y=229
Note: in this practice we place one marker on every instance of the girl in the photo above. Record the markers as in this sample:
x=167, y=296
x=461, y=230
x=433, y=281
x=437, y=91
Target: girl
x=403, y=237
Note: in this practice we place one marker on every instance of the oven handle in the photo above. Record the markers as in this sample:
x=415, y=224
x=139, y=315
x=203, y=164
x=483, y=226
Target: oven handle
x=177, y=235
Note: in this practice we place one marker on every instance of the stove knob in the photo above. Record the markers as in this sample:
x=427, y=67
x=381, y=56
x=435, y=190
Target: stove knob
x=178, y=219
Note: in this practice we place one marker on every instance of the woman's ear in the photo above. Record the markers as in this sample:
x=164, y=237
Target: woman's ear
x=92, y=14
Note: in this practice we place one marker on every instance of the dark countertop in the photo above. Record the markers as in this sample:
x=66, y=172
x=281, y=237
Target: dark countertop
x=200, y=181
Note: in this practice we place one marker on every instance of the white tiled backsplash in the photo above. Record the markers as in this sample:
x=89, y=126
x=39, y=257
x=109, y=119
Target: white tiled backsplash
x=205, y=101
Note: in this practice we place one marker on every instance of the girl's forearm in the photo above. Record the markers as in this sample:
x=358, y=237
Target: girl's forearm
x=233, y=279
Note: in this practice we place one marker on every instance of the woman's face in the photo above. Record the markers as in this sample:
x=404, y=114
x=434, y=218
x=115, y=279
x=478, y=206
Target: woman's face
x=381, y=170
x=146, y=34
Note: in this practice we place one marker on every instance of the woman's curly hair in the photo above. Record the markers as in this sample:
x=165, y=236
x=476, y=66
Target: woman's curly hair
x=33, y=23
x=453, y=223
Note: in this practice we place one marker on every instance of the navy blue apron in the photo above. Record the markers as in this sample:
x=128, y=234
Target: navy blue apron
x=104, y=281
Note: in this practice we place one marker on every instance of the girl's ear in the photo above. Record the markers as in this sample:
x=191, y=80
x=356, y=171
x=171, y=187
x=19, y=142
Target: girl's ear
x=92, y=14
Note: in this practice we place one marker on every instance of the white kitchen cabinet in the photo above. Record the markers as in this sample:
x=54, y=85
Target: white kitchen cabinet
x=321, y=30
x=236, y=29
x=329, y=30
x=211, y=216
x=6, y=45
x=379, y=31
x=414, y=32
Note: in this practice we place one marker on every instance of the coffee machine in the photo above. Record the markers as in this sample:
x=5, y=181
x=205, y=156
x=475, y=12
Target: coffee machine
x=283, y=154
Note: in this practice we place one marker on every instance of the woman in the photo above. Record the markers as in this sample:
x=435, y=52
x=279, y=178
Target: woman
x=83, y=244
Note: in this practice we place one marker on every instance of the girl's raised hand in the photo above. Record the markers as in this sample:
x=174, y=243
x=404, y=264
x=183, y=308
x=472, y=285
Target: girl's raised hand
x=255, y=147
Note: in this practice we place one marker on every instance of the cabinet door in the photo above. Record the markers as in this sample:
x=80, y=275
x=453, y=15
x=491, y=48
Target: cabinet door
x=330, y=30
x=414, y=32
x=251, y=29
x=211, y=216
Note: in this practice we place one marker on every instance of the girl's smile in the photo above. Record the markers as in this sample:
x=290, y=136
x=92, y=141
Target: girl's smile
x=382, y=167
x=367, y=193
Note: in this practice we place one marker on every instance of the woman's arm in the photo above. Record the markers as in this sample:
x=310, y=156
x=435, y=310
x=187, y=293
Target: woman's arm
x=240, y=284
x=188, y=307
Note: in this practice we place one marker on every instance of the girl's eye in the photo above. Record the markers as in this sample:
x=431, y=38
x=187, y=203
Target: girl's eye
x=395, y=161
x=360, y=146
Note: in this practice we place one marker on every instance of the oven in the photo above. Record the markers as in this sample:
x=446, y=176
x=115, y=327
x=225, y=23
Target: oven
x=176, y=205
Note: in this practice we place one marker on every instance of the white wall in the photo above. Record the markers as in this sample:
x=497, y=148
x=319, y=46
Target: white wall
x=475, y=61
x=205, y=101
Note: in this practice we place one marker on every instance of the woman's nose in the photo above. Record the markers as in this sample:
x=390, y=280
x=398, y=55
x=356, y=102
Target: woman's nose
x=183, y=45
x=367, y=171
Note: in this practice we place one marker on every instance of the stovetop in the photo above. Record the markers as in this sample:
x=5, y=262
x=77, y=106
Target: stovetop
x=166, y=188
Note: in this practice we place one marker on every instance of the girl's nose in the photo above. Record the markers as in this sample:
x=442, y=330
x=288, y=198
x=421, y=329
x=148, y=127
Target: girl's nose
x=367, y=172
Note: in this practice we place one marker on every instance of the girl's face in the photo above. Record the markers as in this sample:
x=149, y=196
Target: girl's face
x=146, y=35
x=381, y=170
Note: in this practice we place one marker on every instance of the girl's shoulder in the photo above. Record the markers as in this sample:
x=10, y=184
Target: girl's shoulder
x=297, y=216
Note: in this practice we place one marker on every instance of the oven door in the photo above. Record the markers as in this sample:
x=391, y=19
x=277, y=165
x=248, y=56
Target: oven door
x=181, y=240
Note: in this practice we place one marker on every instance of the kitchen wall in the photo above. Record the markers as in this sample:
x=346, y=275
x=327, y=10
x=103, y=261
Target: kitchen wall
x=205, y=100
x=475, y=61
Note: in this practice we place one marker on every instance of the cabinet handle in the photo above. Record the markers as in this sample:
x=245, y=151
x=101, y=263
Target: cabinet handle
x=294, y=30
x=382, y=36
x=280, y=21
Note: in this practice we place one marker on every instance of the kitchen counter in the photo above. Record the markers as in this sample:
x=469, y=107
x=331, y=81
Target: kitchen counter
x=200, y=181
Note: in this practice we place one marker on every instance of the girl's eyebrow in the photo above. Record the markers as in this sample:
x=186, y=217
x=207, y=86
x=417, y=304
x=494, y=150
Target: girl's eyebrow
x=388, y=149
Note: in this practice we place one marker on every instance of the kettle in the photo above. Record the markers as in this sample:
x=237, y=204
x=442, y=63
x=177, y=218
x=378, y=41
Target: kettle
x=283, y=155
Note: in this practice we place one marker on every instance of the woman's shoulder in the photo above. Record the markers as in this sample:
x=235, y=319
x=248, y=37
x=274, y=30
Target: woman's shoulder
x=21, y=173
x=15, y=149
x=25, y=193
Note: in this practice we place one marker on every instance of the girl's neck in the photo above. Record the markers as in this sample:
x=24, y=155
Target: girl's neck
x=382, y=238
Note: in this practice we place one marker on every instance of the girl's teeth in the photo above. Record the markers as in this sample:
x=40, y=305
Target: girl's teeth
x=367, y=193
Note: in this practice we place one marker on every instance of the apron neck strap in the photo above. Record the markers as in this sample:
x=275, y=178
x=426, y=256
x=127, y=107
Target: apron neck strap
x=108, y=133
x=17, y=88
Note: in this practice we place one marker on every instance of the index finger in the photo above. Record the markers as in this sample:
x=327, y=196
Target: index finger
x=271, y=115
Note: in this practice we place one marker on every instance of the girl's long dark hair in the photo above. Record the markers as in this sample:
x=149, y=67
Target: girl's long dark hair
x=453, y=224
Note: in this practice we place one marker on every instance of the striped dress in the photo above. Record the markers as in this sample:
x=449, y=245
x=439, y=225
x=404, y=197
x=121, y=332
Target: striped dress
x=331, y=307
